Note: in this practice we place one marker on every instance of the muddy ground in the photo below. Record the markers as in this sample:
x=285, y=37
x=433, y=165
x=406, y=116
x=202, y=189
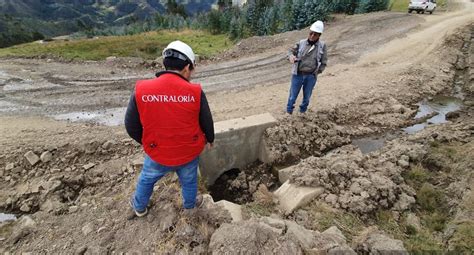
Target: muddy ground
x=72, y=196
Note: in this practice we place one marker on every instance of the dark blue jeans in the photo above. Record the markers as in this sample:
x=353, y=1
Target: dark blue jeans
x=153, y=171
x=307, y=82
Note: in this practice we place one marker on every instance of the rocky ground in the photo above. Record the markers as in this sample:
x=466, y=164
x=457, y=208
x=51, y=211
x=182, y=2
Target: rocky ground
x=69, y=182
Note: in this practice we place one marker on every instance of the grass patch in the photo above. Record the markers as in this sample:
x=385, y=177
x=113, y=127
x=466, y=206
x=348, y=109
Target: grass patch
x=450, y=151
x=6, y=229
x=402, y=5
x=430, y=198
x=255, y=208
x=398, y=5
x=146, y=45
x=435, y=221
x=432, y=203
x=386, y=222
x=423, y=243
x=325, y=217
x=416, y=242
x=463, y=239
x=417, y=176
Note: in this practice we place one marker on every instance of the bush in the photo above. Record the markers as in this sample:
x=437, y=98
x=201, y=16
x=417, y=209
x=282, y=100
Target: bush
x=429, y=198
x=372, y=6
x=344, y=6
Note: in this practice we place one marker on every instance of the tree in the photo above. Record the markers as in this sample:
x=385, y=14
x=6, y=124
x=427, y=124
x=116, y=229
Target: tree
x=175, y=8
x=344, y=6
x=235, y=31
x=215, y=22
x=37, y=36
x=300, y=18
x=372, y=5
x=251, y=17
x=287, y=20
x=274, y=20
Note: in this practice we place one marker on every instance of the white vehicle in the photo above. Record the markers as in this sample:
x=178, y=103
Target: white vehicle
x=422, y=6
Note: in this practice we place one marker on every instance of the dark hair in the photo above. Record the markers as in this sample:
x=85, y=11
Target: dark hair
x=174, y=64
x=175, y=60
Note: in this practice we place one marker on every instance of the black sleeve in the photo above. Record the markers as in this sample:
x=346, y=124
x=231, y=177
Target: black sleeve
x=205, y=119
x=132, y=120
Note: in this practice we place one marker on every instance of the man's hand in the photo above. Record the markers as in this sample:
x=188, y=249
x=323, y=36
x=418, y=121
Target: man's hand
x=293, y=59
x=210, y=146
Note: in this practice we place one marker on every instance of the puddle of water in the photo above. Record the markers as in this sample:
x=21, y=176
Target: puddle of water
x=3, y=77
x=7, y=217
x=108, y=117
x=79, y=83
x=369, y=144
x=415, y=128
x=6, y=106
x=27, y=85
x=441, y=105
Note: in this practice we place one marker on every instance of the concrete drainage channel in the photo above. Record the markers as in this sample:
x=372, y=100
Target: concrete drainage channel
x=239, y=151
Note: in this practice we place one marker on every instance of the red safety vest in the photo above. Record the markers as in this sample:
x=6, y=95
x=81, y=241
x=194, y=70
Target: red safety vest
x=169, y=112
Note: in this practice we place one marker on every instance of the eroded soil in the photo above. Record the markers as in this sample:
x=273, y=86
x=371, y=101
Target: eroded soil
x=381, y=65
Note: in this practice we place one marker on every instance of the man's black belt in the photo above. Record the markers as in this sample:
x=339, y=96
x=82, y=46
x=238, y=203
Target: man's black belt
x=305, y=73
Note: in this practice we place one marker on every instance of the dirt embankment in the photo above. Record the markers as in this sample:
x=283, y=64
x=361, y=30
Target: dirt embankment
x=73, y=194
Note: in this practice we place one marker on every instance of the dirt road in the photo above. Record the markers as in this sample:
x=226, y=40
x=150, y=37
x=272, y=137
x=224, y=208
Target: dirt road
x=381, y=65
x=33, y=87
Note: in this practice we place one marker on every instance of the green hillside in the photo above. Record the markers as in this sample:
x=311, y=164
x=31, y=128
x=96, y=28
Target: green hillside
x=59, y=17
x=145, y=45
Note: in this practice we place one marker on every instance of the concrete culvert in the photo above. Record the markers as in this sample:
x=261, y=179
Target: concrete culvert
x=238, y=186
x=220, y=190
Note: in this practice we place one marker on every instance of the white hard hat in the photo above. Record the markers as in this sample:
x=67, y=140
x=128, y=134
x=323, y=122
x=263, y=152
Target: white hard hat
x=317, y=27
x=181, y=47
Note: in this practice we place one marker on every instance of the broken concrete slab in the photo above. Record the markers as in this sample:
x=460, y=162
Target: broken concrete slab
x=88, y=166
x=32, y=158
x=46, y=156
x=237, y=144
x=292, y=196
x=9, y=166
x=235, y=210
x=285, y=174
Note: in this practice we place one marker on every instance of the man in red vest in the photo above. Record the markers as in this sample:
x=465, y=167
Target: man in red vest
x=171, y=119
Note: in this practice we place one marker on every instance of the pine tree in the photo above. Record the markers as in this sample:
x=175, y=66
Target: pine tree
x=251, y=17
x=372, y=5
x=287, y=21
x=299, y=14
x=234, y=31
x=274, y=23
x=215, y=22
